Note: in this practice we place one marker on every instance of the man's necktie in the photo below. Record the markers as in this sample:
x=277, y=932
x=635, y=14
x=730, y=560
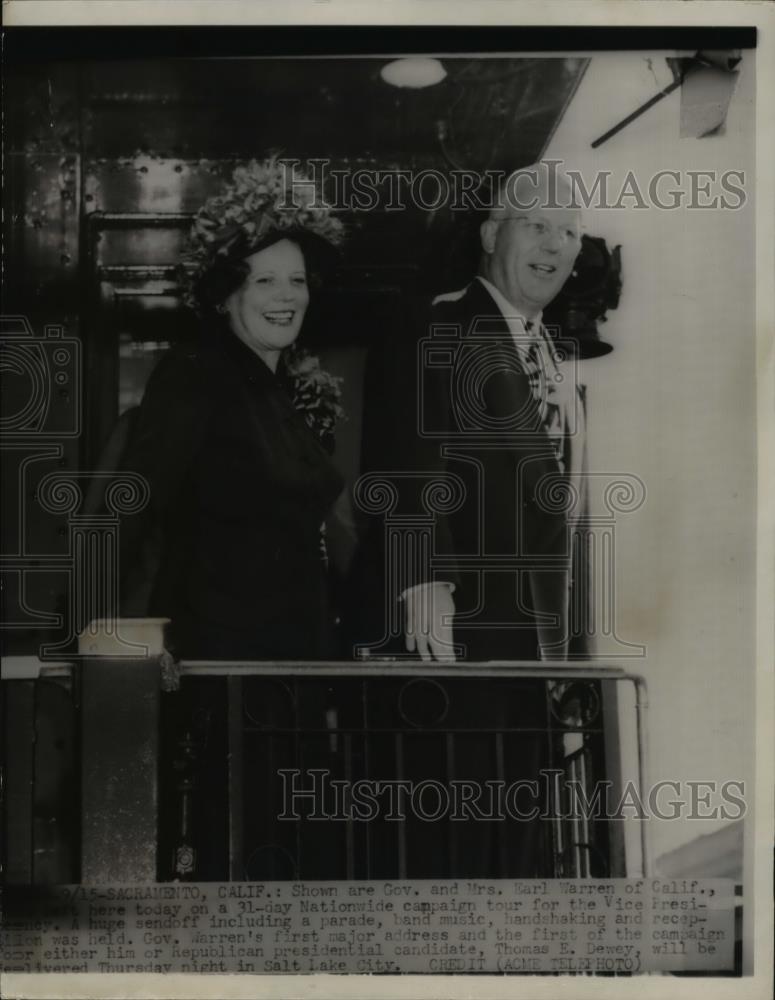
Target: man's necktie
x=541, y=372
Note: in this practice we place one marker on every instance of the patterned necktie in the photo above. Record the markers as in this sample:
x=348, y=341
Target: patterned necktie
x=541, y=372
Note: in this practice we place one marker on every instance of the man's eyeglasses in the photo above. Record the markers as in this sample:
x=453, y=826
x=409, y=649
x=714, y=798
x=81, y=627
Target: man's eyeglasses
x=541, y=229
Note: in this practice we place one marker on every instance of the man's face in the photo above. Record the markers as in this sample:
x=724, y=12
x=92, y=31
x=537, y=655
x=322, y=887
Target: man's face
x=529, y=256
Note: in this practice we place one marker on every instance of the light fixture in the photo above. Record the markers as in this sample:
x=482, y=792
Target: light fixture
x=414, y=71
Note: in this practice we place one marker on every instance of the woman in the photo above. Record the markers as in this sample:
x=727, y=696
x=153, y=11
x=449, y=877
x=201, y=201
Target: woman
x=232, y=437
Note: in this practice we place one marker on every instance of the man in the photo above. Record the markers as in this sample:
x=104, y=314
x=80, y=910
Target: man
x=499, y=415
x=479, y=447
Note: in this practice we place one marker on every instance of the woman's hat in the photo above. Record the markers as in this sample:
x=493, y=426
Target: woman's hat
x=267, y=200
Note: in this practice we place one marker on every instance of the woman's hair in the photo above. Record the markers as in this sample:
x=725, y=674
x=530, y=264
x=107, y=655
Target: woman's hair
x=267, y=201
x=226, y=272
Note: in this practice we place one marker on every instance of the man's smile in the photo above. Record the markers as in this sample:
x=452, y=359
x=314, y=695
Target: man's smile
x=543, y=270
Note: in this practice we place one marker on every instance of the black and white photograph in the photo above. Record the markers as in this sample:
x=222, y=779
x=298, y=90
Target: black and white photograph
x=387, y=506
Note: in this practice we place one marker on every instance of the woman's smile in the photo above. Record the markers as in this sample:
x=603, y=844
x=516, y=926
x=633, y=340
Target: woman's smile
x=280, y=317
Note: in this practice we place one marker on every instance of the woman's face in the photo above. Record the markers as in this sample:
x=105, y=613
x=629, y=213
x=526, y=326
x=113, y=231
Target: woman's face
x=267, y=310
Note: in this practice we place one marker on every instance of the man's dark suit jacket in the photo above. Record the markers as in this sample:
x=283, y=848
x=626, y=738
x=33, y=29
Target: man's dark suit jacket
x=463, y=406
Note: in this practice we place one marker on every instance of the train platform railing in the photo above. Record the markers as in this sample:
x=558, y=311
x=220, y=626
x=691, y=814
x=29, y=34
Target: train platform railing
x=210, y=770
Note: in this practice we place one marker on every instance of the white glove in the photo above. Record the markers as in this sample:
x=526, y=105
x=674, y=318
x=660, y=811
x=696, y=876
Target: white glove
x=428, y=625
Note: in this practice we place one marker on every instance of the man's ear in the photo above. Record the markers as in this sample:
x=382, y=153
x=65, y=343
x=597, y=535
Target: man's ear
x=487, y=232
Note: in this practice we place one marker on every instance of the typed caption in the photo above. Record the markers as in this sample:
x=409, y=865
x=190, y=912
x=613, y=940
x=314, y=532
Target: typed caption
x=625, y=926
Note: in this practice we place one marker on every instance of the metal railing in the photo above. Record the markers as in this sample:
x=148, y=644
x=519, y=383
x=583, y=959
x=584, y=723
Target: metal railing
x=489, y=726
x=188, y=785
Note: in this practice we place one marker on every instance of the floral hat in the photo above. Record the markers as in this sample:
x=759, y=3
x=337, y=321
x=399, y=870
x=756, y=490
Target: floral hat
x=264, y=197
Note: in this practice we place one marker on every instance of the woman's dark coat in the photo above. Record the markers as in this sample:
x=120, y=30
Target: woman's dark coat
x=229, y=547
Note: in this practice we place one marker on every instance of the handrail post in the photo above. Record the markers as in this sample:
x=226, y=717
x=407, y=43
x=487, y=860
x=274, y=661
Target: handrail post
x=120, y=701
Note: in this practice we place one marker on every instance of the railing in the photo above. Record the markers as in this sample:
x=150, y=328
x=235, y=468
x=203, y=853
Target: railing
x=192, y=783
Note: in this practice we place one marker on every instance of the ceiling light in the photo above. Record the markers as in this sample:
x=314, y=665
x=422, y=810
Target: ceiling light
x=413, y=72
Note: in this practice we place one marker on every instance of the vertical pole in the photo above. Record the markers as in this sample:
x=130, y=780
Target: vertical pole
x=612, y=751
x=236, y=780
x=120, y=711
x=641, y=708
x=19, y=754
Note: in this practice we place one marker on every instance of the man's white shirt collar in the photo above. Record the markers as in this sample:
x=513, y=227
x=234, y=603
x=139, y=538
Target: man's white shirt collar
x=517, y=321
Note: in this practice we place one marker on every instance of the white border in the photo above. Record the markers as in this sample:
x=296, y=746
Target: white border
x=608, y=13
x=617, y=13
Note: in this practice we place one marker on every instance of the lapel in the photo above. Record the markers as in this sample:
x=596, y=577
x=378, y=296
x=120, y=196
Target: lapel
x=476, y=314
x=506, y=391
x=484, y=314
x=267, y=423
